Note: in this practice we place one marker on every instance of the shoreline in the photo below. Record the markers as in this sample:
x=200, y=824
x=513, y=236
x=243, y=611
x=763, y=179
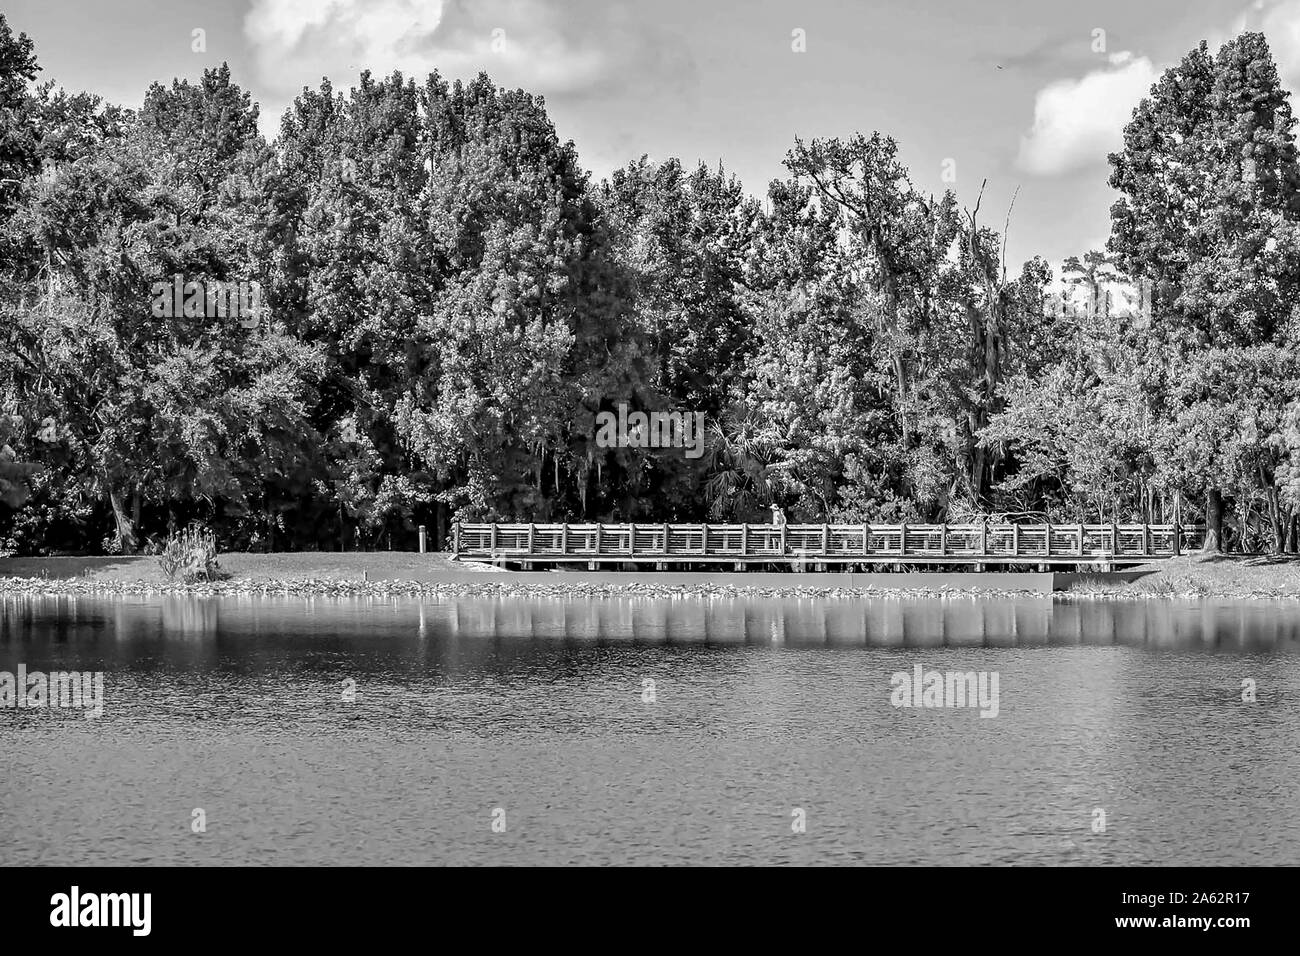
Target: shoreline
x=405, y=574
x=503, y=589
x=352, y=588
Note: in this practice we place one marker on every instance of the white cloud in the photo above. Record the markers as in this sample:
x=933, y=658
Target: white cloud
x=1078, y=121
x=296, y=42
x=547, y=46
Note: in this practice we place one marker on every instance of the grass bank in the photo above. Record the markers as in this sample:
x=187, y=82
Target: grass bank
x=397, y=573
x=384, y=574
x=1205, y=576
x=243, y=569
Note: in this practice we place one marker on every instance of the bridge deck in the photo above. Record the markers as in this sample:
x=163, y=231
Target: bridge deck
x=823, y=543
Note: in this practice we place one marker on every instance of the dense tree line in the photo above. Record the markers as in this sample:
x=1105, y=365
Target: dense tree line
x=448, y=300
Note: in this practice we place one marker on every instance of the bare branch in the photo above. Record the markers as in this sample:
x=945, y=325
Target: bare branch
x=978, y=200
x=1006, y=228
x=974, y=227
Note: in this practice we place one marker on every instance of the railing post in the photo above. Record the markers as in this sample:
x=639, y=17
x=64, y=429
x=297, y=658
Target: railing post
x=1080, y=545
x=826, y=539
x=866, y=539
x=984, y=535
x=599, y=527
x=532, y=532
x=492, y=541
x=1015, y=540
x=564, y=538
x=744, y=540
x=1146, y=540
x=784, y=540
x=665, y=537
x=902, y=539
x=704, y=539
x=1114, y=540
x=1049, y=539
x=631, y=539
x=1178, y=540
x=943, y=539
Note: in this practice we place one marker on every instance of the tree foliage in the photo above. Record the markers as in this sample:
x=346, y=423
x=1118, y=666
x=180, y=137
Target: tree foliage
x=447, y=302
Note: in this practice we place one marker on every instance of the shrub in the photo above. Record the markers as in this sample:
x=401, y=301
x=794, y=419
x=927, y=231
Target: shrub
x=1096, y=584
x=190, y=556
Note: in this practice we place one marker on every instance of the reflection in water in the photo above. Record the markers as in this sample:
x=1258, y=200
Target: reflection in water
x=907, y=622
x=190, y=616
x=236, y=705
x=916, y=622
x=898, y=622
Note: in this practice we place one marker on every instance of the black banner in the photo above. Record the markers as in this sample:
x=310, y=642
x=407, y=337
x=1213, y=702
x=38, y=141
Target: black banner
x=141, y=906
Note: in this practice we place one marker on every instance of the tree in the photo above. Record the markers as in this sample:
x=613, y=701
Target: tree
x=1209, y=213
x=529, y=333
x=1092, y=274
x=18, y=68
x=199, y=130
x=934, y=307
x=683, y=240
x=15, y=476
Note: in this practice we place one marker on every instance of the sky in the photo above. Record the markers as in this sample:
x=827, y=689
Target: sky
x=1029, y=95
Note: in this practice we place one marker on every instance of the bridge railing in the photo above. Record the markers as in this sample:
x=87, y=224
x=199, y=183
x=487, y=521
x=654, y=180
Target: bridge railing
x=837, y=542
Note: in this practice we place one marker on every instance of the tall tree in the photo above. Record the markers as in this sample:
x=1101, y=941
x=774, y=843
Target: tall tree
x=684, y=239
x=18, y=70
x=1209, y=212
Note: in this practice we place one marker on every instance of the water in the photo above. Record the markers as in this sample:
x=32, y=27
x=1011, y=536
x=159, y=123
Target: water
x=761, y=709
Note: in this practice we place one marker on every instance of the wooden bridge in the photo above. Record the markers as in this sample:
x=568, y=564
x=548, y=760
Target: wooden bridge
x=814, y=545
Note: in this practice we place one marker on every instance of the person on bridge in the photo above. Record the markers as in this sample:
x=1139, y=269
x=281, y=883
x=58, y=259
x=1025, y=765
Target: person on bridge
x=778, y=521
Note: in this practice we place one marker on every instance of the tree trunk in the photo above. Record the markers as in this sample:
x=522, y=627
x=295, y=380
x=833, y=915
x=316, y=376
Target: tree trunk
x=1275, y=522
x=125, y=531
x=1277, y=528
x=900, y=380
x=979, y=476
x=1213, y=522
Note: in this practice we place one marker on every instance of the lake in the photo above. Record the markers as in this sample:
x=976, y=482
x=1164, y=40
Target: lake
x=653, y=731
